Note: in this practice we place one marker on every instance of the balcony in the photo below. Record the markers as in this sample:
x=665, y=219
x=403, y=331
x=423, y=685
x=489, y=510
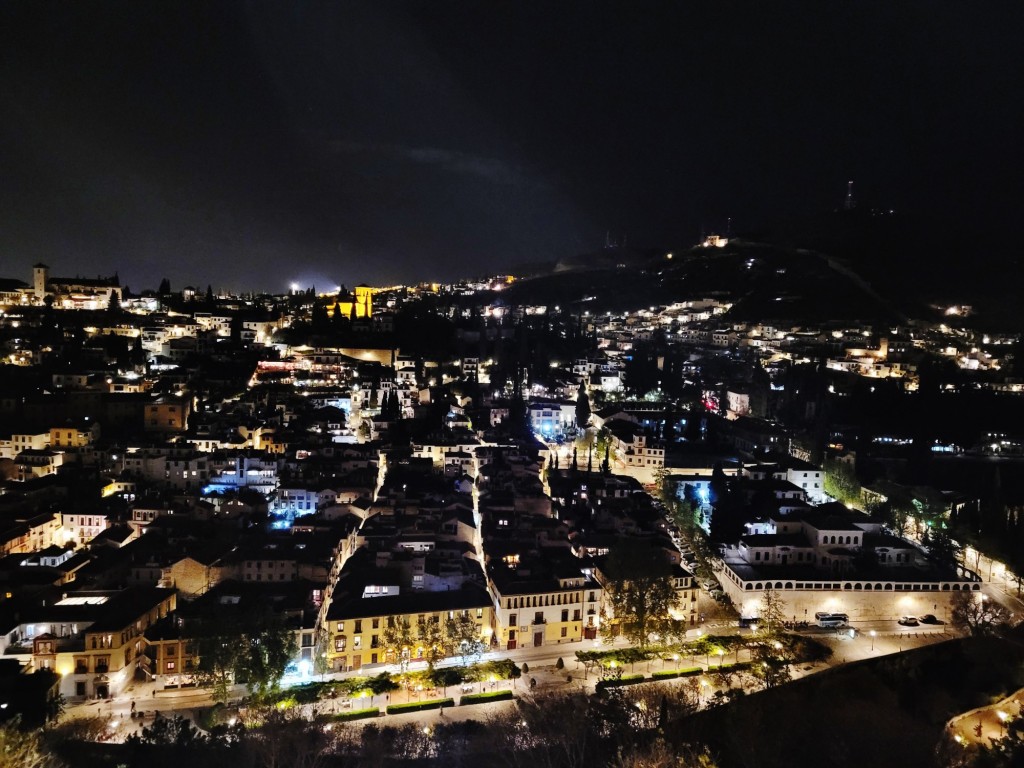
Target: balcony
x=539, y=620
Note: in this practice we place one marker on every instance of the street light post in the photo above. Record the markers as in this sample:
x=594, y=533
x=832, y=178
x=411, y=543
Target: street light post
x=872, y=633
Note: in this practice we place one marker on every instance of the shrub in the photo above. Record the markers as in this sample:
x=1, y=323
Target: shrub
x=482, y=698
x=308, y=693
x=418, y=706
x=502, y=669
x=356, y=714
x=667, y=674
x=618, y=682
x=525, y=668
x=559, y=664
x=208, y=718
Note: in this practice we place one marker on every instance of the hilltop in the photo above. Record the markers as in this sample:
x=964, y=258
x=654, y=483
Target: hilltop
x=764, y=282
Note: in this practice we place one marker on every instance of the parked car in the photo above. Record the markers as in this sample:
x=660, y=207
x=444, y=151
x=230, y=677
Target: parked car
x=930, y=619
x=908, y=621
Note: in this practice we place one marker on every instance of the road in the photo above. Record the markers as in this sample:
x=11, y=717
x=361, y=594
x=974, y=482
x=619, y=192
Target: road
x=888, y=638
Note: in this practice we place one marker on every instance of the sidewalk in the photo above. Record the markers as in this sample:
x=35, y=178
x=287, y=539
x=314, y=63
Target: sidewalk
x=986, y=724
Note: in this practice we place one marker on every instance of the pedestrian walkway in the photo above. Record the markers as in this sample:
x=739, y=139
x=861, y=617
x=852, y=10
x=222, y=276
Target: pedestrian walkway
x=986, y=724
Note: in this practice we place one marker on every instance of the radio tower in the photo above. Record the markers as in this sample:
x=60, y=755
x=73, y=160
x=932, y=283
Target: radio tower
x=849, y=196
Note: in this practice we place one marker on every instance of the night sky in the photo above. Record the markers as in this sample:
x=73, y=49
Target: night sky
x=250, y=144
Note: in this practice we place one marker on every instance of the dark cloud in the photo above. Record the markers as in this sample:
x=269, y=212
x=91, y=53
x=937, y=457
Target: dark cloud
x=235, y=142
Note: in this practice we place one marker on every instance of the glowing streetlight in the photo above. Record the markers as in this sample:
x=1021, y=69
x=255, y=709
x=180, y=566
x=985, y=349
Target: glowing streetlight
x=872, y=633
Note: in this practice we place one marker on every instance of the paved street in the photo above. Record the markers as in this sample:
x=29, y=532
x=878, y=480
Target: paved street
x=888, y=638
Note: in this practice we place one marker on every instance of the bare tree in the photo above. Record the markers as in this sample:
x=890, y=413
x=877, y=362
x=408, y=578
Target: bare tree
x=24, y=749
x=286, y=740
x=660, y=755
x=976, y=613
x=547, y=731
x=655, y=704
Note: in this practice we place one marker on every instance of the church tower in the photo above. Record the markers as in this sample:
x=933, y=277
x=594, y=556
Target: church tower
x=40, y=277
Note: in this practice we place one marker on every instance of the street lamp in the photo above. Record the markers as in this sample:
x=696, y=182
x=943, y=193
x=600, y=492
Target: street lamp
x=1002, y=722
x=872, y=633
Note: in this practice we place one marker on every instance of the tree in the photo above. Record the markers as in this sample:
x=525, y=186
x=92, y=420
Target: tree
x=321, y=665
x=772, y=614
x=841, y=481
x=267, y=649
x=167, y=731
x=727, y=509
x=976, y=613
x=582, y=407
x=942, y=550
x=165, y=287
x=23, y=749
x=318, y=317
x=667, y=488
x=217, y=638
x=397, y=640
x=641, y=589
x=770, y=664
x=434, y=640
x=251, y=646
x=464, y=635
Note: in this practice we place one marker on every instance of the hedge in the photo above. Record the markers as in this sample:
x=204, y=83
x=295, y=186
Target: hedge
x=356, y=714
x=620, y=681
x=417, y=706
x=481, y=698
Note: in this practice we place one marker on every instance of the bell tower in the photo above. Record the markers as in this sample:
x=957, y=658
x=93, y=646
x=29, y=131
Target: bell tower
x=40, y=277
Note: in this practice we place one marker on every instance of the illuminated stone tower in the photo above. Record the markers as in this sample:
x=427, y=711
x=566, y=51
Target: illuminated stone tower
x=40, y=277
